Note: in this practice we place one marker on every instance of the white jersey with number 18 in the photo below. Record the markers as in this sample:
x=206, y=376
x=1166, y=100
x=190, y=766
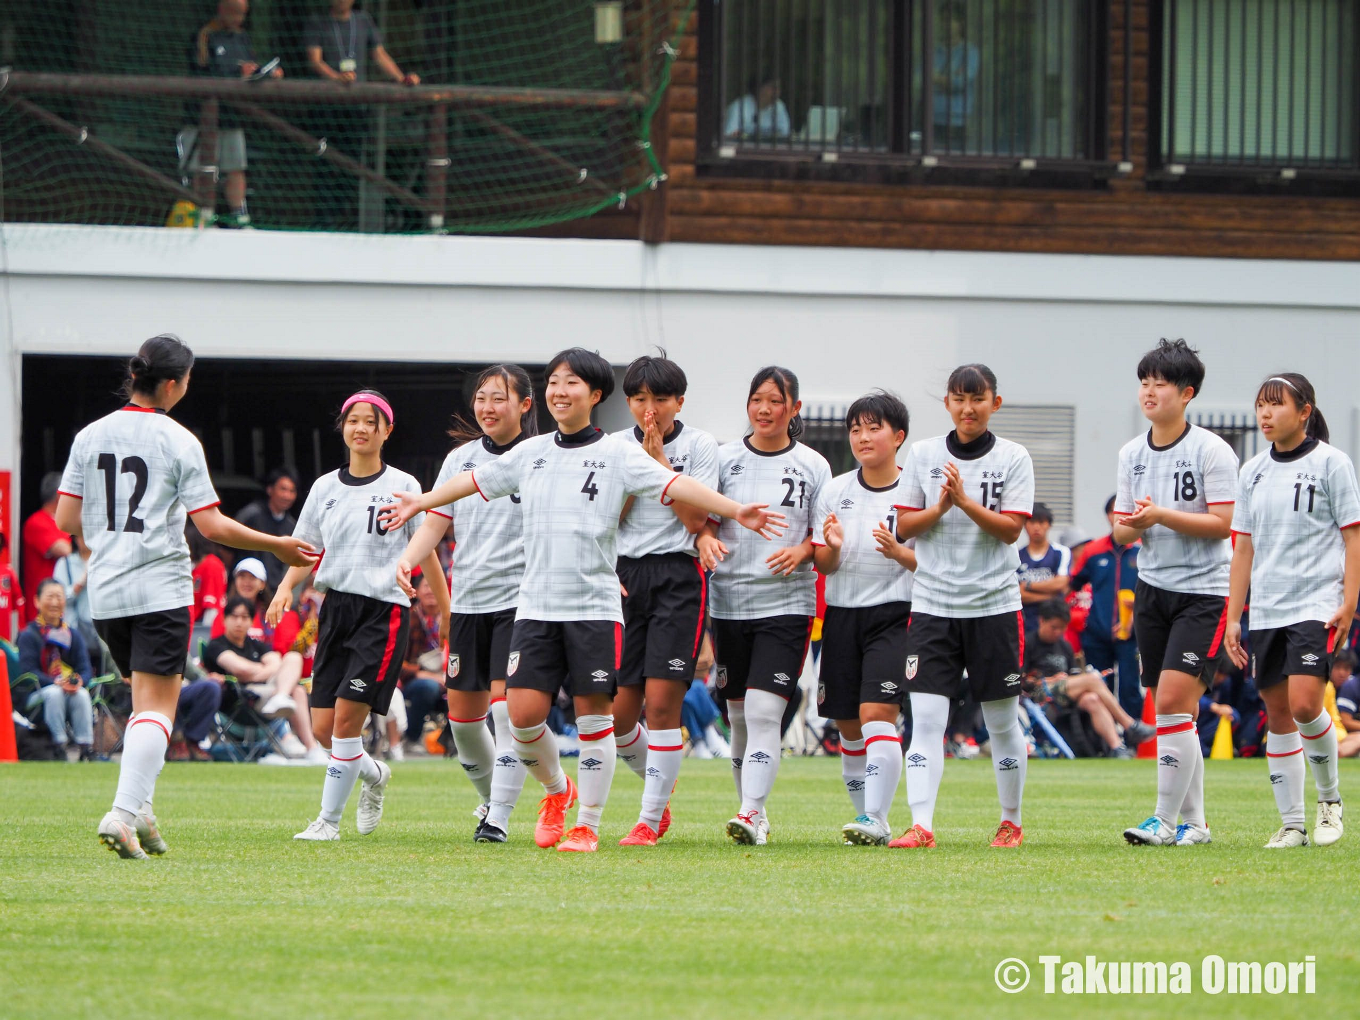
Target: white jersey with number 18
x=865, y=576
x=137, y=473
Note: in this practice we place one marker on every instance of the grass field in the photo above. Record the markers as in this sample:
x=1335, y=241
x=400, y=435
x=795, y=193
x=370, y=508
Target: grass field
x=416, y=921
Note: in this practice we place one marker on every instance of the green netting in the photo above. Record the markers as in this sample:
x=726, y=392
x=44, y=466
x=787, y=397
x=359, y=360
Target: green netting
x=528, y=112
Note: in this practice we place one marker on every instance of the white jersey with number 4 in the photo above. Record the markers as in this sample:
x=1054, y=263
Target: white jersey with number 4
x=865, y=576
x=573, y=489
x=488, y=553
x=791, y=482
x=1294, y=506
x=340, y=518
x=651, y=528
x=961, y=571
x=137, y=473
x=1197, y=471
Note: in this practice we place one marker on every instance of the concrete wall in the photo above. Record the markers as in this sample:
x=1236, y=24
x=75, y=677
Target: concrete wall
x=1055, y=328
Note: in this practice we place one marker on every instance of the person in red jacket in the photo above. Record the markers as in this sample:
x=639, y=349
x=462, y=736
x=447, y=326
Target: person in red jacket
x=43, y=543
x=11, y=595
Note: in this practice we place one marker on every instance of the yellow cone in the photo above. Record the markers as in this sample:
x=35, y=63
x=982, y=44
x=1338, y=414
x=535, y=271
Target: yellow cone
x=1223, y=745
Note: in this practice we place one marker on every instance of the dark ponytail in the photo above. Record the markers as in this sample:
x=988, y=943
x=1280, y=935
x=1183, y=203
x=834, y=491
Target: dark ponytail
x=164, y=357
x=1296, y=389
x=787, y=384
x=516, y=381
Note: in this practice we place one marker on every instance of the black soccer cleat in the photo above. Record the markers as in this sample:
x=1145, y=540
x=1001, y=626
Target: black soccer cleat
x=488, y=833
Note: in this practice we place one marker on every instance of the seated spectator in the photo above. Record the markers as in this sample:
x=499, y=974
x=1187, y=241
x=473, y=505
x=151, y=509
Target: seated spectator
x=1043, y=566
x=221, y=49
x=248, y=582
x=210, y=577
x=1347, y=686
x=422, y=672
x=271, y=677
x=199, y=701
x=1050, y=661
x=271, y=515
x=54, y=652
x=11, y=596
x=760, y=115
x=72, y=573
x=43, y=543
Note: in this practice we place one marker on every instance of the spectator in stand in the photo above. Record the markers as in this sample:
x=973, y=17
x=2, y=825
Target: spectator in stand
x=1111, y=570
x=221, y=49
x=1044, y=566
x=1050, y=660
x=55, y=653
x=248, y=581
x=422, y=672
x=199, y=701
x=1347, y=686
x=72, y=573
x=11, y=595
x=44, y=543
x=955, y=80
x=271, y=516
x=210, y=578
x=760, y=115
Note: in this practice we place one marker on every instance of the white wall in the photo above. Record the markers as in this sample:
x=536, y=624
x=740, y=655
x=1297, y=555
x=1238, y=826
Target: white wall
x=1056, y=329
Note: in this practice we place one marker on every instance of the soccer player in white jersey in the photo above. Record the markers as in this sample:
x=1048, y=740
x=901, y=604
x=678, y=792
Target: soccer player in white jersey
x=1175, y=491
x=488, y=564
x=665, y=592
x=361, y=639
x=965, y=498
x=763, y=602
x=130, y=479
x=1297, y=547
x=868, y=606
x=568, y=628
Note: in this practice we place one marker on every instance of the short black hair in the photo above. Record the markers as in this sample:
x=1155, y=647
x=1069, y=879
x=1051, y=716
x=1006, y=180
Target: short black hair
x=279, y=473
x=975, y=380
x=377, y=411
x=587, y=366
x=1054, y=609
x=880, y=408
x=1042, y=514
x=49, y=486
x=1109, y=505
x=48, y=582
x=658, y=375
x=238, y=602
x=1173, y=361
x=787, y=385
x=1345, y=657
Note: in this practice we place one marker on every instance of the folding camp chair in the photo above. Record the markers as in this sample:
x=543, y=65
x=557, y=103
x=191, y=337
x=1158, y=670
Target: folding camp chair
x=241, y=733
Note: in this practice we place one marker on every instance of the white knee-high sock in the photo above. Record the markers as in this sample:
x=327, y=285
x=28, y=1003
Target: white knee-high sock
x=595, y=769
x=1010, y=756
x=764, y=713
x=476, y=752
x=1284, y=753
x=736, y=719
x=1177, y=750
x=925, y=756
x=144, y=743
x=665, y=751
x=853, y=765
x=507, y=779
x=1319, y=741
x=882, y=768
x=633, y=750
x=147, y=808
x=347, y=755
x=536, y=748
x=1192, y=811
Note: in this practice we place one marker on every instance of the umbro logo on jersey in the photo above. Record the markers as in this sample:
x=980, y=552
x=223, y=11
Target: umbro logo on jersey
x=737, y=469
x=1007, y=765
x=507, y=760
x=591, y=764
x=913, y=662
x=936, y=472
x=1013, y=680
x=330, y=503
x=1138, y=469
x=781, y=679
x=887, y=686
x=916, y=761
x=467, y=466
x=540, y=463
x=1257, y=479
x=1170, y=761
x=855, y=785
x=600, y=675
x=1309, y=659
x=759, y=757
x=454, y=666
x=846, y=504
x=358, y=684
x=1190, y=659
x=512, y=664
x=676, y=664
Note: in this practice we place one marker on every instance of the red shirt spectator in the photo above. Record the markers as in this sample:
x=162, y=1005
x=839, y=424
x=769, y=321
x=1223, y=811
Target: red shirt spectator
x=210, y=586
x=44, y=543
x=11, y=601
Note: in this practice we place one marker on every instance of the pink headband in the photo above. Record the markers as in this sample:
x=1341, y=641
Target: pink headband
x=369, y=398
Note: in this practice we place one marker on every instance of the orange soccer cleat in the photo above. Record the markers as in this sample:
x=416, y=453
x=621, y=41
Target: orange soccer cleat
x=665, y=822
x=552, y=815
x=581, y=839
x=914, y=838
x=642, y=835
x=1008, y=834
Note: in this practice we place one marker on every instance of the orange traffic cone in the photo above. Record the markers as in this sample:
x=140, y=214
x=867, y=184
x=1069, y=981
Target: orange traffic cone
x=1148, y=748
x=1223, y=745
x=9, y=750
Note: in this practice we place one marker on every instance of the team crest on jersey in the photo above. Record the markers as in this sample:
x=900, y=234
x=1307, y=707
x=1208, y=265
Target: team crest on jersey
x=722, y=677
x=454, y=666
x=821, y=692
x=512, y=664
x=912, y=663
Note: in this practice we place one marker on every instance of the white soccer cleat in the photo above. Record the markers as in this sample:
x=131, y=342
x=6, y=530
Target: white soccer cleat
x=744, y=829
x=320, y=831
x=865, y=831
x=1151, y=833
x=121, y=838
x=1190, y=835
x=480, y=811
x=371, y=801
x=1287, y=837
x=763, y=830
x=1329, y=827
x=149, y=835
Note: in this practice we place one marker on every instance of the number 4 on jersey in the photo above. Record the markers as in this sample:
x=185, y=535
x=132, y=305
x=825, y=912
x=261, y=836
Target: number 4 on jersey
x=590, y=488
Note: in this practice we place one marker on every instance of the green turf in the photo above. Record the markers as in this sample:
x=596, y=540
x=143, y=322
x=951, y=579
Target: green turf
x=416, y=921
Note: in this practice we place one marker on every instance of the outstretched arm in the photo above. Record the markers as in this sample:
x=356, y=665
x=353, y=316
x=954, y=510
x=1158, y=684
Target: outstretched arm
x=217, y=527
x=408, y=504
x=752, y=515
x=419, y=549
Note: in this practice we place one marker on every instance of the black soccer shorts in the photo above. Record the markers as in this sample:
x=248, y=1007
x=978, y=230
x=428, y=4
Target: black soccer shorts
x=663, y=617
x=580, y=655
x=1299, y=649
x=156, y=643
x=864, y=657
x=479, y=649
x=990, y=648
x=1179, y=632
x=765, y=654
x=359, y=650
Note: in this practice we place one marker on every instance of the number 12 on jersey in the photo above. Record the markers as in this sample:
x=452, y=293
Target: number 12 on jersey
x=135, y=466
